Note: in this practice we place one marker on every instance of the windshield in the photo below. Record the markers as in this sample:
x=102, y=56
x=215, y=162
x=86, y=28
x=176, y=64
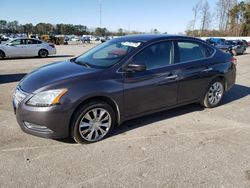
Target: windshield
x=107, y=54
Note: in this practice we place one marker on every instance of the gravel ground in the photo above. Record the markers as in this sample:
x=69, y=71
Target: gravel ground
x=184, y=147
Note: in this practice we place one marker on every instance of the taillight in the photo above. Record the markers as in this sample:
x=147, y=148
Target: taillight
x=233, y=60
x=52, y=45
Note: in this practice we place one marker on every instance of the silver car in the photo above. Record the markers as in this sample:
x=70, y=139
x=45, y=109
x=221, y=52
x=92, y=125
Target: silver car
x=26, y=47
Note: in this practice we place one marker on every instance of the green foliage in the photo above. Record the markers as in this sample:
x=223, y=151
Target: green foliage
x=240, y=19
x=42, y=28
x=238, y=23
x=101, y=31
x=120, y=32
x=58, y=29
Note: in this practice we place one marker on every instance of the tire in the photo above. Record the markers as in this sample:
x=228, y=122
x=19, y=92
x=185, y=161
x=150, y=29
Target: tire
x=1, y=55
x=43, y=53
x=85, y=126
x=214, y=94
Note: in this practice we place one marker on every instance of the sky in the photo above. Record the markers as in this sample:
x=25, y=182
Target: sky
x=171, y=16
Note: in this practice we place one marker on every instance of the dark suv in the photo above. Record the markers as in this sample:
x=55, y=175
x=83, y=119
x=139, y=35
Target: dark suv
x=124, y=78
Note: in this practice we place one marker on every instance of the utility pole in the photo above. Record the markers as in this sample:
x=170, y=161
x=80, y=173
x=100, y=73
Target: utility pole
x=100, y=12
x=128, y=27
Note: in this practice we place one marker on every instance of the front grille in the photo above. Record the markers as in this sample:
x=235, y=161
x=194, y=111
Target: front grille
x=19, y=95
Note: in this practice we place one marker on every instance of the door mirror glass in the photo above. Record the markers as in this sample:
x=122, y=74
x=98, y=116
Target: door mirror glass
x=136, y=68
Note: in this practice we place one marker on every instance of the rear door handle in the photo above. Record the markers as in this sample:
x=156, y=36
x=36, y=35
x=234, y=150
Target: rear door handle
x=171, y=77
x=207, y=69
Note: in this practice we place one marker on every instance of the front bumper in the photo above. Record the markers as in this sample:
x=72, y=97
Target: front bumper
x=32, y=120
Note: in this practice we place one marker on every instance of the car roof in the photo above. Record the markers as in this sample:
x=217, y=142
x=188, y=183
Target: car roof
x=151, y=37
x=25, y=38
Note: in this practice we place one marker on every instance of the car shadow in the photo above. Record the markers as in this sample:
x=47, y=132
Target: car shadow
x=52, y=56
x=68, y=140
x=236, y=93
x=9, y=78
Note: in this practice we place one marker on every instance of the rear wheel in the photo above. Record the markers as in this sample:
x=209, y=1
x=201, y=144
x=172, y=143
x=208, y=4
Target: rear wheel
x=43, y=53
x=1, y=55
x=214, y=94
x=93, y=122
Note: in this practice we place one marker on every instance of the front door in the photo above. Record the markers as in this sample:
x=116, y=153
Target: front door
x=32, y=47
x=156, y=87
x=16, y=48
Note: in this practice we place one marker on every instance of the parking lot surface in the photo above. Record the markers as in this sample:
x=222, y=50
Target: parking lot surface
x=185, y=147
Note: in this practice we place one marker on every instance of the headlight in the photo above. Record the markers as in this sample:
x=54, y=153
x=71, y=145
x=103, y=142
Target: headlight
x=47, y=98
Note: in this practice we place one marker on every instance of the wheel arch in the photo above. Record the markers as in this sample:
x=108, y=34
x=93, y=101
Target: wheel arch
x=3, y=53
x=106, y=99
x=43, y=49
x=221, y=77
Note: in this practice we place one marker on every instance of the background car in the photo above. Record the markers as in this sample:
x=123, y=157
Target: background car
x=215, y=41
x=245, y=43
x=235, y=47
x=104, y=39
x=26, y=47
x=85, y=39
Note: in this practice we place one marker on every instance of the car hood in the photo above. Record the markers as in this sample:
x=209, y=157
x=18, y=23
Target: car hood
x=53, y=73
x=2, y=45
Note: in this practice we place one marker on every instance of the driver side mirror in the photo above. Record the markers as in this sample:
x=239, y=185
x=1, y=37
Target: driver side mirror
x=135, y=67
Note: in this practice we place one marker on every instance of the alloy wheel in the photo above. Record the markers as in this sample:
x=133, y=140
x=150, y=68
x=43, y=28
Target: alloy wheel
x=215, y=93
x=95, y=124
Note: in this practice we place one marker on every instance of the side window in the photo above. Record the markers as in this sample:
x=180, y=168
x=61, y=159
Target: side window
x=31, y=41
x=209, y=51
x=18, y=42
x=191, y=51
x=156, y=56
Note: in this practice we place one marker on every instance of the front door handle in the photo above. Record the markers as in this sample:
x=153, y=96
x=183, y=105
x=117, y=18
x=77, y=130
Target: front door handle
x=167, y=79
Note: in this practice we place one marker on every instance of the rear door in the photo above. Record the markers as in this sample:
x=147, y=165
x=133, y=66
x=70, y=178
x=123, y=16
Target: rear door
x=156, y=87
x=31, y=48
x=195, y=69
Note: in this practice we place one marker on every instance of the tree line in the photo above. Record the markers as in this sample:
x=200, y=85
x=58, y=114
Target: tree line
x=42, y=28
x=230, y=18
x=13, y=27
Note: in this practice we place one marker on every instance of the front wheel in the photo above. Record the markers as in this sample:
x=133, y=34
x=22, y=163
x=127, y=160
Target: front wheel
x=214, y=94
x=93, y=122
